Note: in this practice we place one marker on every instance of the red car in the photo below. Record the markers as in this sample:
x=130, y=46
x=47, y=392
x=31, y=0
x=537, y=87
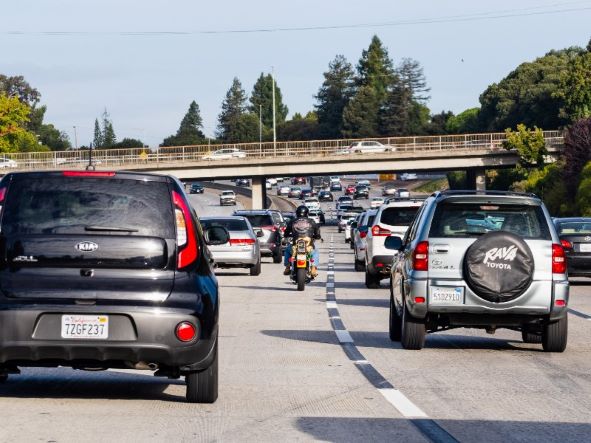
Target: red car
x=298, y=181
x=350, y=190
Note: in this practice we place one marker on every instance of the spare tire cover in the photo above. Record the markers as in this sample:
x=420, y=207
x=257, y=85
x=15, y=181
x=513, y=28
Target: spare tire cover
x=499, y=266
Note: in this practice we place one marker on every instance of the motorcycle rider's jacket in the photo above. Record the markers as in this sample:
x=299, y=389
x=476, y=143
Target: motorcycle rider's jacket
x=302, y=227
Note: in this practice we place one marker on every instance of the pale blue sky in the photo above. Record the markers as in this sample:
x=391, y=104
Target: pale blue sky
x=147, y=81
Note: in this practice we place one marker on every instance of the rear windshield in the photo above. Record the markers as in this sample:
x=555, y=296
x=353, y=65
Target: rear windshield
x=474, y=219
x=64, y=205
x=398, y=216
x=259, y=220
x=574, y=228
x=229, y=224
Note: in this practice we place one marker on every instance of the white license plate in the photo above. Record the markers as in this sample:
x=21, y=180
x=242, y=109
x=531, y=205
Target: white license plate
x=585, y=247
x=85, y=326
x=445, y=295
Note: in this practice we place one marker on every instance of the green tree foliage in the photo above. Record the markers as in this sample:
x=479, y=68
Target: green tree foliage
x=575, y=88
x=530, y=145
x=438, y=123
x=577, y=152
x=401, y=115
x=464, y=122
x=411, y=76
x=360, y=116
x=17, y=87
x=190, y=129
x=129, y=143
x=547, y=183
x=262, y=95
x=583, y=196
x=108, y=133
x=527, y=95
x=14, y=116
x=334, y=94
x=97, y=140
x=53, y=138
x=376, y=70
x=300, y=128
x=230, y=122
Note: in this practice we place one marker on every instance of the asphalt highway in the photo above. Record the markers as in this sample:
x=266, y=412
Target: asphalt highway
x=319, y=365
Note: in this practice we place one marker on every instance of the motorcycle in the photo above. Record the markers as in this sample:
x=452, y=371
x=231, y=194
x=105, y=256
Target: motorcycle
x=301, y=260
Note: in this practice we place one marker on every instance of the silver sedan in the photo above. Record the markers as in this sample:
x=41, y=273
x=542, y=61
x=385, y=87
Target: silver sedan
x=243, y=249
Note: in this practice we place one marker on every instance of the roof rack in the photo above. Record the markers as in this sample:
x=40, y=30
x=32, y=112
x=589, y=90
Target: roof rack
x=482, y=192
x=402, y=199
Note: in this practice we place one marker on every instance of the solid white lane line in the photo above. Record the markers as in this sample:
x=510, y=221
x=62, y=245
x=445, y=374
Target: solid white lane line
x=343, y=336
x=406, y=407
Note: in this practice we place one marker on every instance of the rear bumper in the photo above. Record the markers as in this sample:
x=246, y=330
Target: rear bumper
x=31, y=336
x=578, y=264
x=380, y=265
x=235, y=258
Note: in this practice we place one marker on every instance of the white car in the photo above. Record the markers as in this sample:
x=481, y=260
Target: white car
x=272, y=181
x=312, y=203
x=369, y=146
x=7, y=163
x=403, y=193
x=359, y=235
x=342, y=223
x=334, y=179
x=225, y=154
x=393, y=218
x=408, y=176
x=315, y=215
x=364, y=182
x=283, y=190
x=376, y=202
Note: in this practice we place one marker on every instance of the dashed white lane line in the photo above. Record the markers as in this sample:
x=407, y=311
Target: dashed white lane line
x=343, y=336
x=402, y=403
x=331, y=305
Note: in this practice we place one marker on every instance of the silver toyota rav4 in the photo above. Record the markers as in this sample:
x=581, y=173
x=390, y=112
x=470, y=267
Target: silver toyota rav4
x=480, y=259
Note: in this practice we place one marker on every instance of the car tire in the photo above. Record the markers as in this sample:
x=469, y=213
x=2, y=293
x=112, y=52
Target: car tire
x=359, y=266
x=371, y=281
x=531, y=337
x=395, y=323
x=202, y=386
x=256, y=269
x=555, y=335
x=340, y=230
x=413, y=331
x=277, y=256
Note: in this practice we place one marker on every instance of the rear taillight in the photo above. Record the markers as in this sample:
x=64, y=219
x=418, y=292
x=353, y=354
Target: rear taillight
x=378, y=231
x=420, y=257
x=363, y=234
x=88, y=173
x=566, y=244
x=185, y=232
x=185, y=331
x=241, y=241
x=558, y=259
x=2, y=194
x=271, y=228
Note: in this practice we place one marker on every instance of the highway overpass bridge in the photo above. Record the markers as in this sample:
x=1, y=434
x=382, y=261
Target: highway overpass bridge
x=470, y=152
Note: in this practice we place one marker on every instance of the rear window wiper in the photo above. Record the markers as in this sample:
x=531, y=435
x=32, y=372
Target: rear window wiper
x=109, y=228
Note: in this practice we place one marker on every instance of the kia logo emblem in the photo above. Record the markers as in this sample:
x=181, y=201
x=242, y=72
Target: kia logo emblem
x=86, y=246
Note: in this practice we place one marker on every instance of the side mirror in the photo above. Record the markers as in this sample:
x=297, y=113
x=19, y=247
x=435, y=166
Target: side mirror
x=393, y=243
x=216, y=235
x=354, y=225
x=259, y=233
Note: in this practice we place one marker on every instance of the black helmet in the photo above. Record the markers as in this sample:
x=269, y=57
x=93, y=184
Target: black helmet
x=302, y=211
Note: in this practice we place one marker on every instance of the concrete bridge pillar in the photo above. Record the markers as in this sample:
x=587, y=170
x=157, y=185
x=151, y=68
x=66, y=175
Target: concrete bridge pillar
x=259, y=193
x=476, y=179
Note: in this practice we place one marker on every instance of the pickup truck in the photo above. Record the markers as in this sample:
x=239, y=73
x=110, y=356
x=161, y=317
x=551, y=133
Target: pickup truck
x=227, y=198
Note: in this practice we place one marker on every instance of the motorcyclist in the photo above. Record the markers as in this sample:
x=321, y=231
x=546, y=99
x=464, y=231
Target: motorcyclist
x=299, y=227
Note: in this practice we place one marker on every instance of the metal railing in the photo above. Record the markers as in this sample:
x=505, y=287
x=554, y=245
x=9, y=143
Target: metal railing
x=292, y=151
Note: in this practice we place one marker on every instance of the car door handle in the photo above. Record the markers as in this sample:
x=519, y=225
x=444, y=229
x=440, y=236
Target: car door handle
x=441, y=249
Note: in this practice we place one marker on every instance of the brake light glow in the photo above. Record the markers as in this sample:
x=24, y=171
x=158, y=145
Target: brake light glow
x=419, y=299
x=558, y=259
x=88, y=173
x=242, y=241
x=378, y=231
x=301, y=263
x=566, y=244
x=420, y=257
x=185, y=331
x=560, y=303
x=185, y=232
x=2, y=194
x=362, y=234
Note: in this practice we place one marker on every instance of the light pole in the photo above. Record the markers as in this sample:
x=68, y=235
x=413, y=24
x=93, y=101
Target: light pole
x=261, y=130
x=274, y=129
x=75, y=137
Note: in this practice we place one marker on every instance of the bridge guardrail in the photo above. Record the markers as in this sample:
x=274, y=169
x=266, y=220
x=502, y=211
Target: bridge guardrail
x=164, y=156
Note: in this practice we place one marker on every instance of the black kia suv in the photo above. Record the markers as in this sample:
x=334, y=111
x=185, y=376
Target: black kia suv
x=106, y=270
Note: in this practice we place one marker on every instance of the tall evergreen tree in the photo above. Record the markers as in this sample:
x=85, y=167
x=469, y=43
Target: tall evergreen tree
x=108, y=134
x=410, y=73
x=375, y=69
x=360, y=116
x=334, y=94
x=262, y=94
x=189, y=132
x=97, y=141
x=233, y=107
x=395, y=115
